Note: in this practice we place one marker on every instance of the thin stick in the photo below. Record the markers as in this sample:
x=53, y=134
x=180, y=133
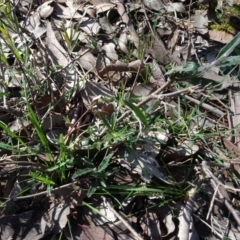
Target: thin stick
x=137, y=237
x=40, y=193
x=208, y=172
x=206, y=106
x=173, y=94
x=212, y=201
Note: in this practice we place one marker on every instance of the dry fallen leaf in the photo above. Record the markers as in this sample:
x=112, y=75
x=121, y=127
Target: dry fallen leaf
x=155, y=5
x=175, y=7
x=66, y=12
x=109, y=49
x=146, y=166
x=94, y=91
x=46, y=9
x=56, y=52
x=220, y=36
x=104, y=7
x=200, y=23
x=58, y=214
x=91, y=27
x=87, y=61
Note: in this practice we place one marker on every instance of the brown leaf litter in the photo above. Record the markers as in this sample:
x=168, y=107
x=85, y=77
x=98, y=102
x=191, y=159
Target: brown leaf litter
x=83, y=55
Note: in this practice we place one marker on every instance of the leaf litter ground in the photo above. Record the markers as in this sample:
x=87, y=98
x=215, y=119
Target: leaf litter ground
x=119, y=120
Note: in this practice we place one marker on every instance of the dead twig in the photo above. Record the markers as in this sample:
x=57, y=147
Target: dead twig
x=212, y=202
x=206, y=106
x=121, y=67
x=41, y=193
x=124, y=222
x=176, y=93
x=215, y=182
x=207, y=171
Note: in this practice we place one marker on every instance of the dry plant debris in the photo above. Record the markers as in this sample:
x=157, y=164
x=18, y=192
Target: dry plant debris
x=119, y=119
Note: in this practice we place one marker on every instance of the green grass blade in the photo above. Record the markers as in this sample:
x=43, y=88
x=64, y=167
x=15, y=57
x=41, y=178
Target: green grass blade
x=228, y=48
x=81, y=172
x=139, y=113
x=12, y=134
x=39, y=131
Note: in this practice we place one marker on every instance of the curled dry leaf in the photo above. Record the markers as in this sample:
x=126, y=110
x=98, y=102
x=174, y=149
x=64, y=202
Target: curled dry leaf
x=122, y=42
x=93, y=91
x=90, y=27
x=106, y=25
x=104, y=7
x=109, y=49
x=159, y=51
x=34, y=25
x=175, y=7
x=154, y=5
x=173, y=39
x=46, y=9
x=66, y=12
x=87, y=61
x=56, y=52
x=200, y=23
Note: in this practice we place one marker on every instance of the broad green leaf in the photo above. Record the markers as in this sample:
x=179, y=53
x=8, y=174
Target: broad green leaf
x=189, y=67
x=228, y=48
x=39, y=131
x=229, y=61
x=139, y=113
x=174, y=69
x=81, y=172
x=104, y=163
